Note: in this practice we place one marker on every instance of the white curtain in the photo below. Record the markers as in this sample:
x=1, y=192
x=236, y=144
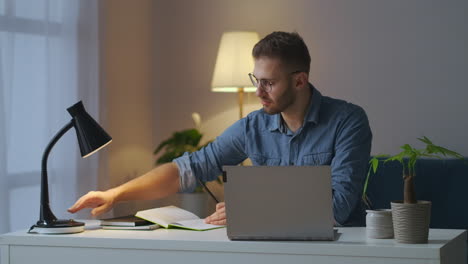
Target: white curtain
x=48, y=61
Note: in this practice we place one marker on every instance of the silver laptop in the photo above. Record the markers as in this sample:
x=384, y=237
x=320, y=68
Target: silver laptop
x=278, y=202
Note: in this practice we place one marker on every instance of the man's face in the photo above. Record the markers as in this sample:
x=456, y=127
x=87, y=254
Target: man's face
x=282, y=94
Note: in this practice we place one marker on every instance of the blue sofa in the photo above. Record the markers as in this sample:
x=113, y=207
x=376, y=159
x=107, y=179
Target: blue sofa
x=443, y=182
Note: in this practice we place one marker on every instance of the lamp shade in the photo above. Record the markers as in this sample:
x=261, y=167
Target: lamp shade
x=234, y=62
x=91, y=136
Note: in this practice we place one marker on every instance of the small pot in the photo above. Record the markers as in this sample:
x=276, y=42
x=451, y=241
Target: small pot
x=411, y=221
x=379, y=223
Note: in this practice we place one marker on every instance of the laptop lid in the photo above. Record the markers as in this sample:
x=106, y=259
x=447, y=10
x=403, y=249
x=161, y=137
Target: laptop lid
x=278, y=202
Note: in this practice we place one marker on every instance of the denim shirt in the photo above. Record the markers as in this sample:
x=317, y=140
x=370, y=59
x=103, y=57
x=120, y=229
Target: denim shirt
x=334, y=132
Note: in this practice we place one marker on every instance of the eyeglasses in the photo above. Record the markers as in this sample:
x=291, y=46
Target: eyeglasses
x=265, y=84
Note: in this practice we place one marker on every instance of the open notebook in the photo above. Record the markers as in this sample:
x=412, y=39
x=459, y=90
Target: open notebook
x=175, y=217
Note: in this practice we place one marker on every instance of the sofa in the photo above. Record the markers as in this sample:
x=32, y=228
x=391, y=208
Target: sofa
x=444, y=182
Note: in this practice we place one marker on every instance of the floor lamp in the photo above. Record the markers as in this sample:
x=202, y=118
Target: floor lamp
x=233, y=63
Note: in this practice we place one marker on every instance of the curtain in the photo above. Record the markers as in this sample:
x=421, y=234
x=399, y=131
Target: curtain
x=48, y=61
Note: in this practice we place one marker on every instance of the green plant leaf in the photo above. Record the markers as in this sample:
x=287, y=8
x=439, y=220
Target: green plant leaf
x=425, y=140
x=179, y=143
x=412, y=164
x=166, y=157
x=399, y=157
x=438, y=151
x=163, y=144
x=374, y=164
x=427, y=155
x=187, y=137
x=408, y=158
x=446, y=152
x=407, y=148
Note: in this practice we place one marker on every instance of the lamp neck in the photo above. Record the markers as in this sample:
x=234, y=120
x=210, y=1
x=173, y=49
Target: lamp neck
x=46, y=214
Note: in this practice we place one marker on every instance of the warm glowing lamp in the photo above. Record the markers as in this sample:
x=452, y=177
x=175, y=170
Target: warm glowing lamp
x=91, y=138
x=233, y=64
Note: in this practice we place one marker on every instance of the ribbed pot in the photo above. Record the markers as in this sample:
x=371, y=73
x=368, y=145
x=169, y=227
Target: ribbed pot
x=411, y=221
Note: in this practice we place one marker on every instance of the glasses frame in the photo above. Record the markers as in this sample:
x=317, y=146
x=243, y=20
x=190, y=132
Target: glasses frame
x=265, y=84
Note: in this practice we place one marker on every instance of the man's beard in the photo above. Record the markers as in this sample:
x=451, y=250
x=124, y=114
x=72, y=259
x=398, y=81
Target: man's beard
x=282, y=103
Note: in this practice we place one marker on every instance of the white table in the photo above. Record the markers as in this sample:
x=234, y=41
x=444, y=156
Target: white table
x=178, y=246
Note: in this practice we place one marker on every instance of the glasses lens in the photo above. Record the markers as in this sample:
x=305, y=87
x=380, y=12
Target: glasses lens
x=253, y=79
x=260, y=84
x=266, y=85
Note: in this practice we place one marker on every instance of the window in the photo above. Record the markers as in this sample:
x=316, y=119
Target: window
x=39, y=73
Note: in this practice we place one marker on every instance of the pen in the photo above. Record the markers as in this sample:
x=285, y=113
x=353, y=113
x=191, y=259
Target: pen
x=208, y=190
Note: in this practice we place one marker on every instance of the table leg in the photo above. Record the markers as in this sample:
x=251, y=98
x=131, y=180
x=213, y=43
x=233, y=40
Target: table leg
x=4, y=254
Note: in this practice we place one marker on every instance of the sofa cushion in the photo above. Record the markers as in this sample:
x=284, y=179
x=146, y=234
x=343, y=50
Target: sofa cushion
x=443, y=182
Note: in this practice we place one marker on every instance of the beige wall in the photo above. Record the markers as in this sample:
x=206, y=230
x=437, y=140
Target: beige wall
x=127, y=48
x=405, y=62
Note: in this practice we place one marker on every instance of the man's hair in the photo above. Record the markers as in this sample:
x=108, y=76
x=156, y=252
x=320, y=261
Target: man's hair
x=289, y=48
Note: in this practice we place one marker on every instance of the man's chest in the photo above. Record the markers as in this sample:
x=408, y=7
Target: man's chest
x=310, y=146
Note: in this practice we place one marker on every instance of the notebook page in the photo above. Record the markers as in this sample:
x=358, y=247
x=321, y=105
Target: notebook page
x=166, y=215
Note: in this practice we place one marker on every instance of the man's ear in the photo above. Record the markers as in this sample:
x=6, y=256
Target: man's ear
x=301, y=80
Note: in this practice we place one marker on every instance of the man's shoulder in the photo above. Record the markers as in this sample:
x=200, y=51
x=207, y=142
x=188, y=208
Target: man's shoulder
x=258, y=115
x=259, y=119
x=340, y=107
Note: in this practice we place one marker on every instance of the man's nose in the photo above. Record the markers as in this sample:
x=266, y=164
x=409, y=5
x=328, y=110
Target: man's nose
x=260, y=91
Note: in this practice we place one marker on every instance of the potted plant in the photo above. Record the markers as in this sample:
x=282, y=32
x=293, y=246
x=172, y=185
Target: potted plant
x=187, y=140
x=180, y=142
x=410, y=217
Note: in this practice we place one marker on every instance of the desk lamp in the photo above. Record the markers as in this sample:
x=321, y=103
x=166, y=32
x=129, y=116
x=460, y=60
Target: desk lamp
x=233, y=63
x=91, y=138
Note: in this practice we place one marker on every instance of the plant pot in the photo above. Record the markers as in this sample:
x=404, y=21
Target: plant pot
x=379, y=223
x=411, y=221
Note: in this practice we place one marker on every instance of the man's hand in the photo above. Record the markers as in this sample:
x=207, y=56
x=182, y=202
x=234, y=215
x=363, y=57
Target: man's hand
x=100, y=201
x=218, y=217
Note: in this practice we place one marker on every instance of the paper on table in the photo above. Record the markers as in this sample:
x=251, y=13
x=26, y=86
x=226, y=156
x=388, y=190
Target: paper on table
x=195, y=224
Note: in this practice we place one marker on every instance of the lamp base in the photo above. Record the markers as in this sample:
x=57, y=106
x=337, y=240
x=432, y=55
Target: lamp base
x=58, y=227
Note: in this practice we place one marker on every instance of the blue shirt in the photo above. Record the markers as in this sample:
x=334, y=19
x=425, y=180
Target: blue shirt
x=334, y=132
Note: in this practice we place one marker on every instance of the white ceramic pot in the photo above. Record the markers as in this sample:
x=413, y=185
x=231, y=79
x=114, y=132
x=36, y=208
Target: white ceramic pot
x=379, y=223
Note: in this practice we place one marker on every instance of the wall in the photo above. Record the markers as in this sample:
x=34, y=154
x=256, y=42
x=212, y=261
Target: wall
x=405, y=62
x=127, y=47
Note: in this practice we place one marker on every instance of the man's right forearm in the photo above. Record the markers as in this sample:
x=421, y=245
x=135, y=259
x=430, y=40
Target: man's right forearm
x=155, y=184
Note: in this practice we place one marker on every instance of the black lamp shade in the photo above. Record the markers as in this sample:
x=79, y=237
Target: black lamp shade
x=91, y=136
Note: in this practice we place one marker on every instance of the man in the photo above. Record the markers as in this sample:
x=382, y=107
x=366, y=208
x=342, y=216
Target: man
x=296, y=126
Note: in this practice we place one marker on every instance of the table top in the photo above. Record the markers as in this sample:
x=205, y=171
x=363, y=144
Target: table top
x=352, y=241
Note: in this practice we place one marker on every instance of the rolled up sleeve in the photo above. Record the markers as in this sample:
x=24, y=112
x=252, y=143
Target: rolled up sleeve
x=206, y=163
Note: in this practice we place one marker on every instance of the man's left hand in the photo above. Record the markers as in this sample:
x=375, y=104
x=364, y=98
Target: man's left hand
x=218, y=217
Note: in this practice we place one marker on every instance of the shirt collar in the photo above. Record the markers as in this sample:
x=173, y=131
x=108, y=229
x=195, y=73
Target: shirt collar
x=312, y=114
x=314, y=106
x=275, y=123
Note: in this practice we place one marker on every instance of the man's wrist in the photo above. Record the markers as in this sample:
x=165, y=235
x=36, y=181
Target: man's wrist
x=115, y=194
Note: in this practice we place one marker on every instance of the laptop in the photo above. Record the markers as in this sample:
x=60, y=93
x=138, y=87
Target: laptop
x=278, y=202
